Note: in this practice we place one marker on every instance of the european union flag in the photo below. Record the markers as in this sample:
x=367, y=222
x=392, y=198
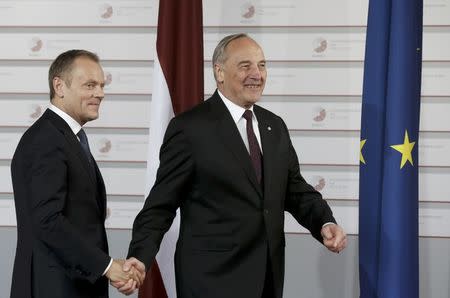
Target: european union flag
x=388, y=202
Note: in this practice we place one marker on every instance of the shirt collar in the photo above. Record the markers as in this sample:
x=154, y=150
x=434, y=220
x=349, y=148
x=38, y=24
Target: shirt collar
x=74, y=125
x=235, y=110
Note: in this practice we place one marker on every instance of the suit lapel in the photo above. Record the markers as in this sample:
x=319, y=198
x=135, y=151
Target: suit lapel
x=267, y=143
x=97, y=180
x=74, y=145
x=101, y=190
x=232, y=140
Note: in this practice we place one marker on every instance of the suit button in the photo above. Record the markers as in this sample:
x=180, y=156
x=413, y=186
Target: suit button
x=266, y=211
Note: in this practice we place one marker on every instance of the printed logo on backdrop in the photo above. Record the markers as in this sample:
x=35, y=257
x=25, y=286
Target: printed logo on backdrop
x=35, y=45
x=35, y=111
x=104, y=146
x=248, y=10
x=319, y=114
x=106, y=11
x=108, y=78
x=319, y=46
x=318, y=182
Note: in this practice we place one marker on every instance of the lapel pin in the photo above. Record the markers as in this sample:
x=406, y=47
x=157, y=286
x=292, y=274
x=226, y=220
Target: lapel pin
x=269, y=128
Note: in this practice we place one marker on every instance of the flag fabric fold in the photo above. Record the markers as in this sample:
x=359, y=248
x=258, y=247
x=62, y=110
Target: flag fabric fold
x=388, y=194
x=177, y=87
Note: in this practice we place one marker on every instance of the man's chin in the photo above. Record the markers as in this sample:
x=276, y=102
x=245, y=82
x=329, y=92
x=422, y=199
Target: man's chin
x=253, y=99
x=92, y=117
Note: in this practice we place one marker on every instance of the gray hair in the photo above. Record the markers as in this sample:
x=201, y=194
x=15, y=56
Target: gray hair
x=219, y=56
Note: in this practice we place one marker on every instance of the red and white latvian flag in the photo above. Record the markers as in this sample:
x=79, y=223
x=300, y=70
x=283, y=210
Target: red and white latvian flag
x=177, y=87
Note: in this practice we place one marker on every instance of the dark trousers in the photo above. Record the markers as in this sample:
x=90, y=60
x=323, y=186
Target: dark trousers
x=268, y=291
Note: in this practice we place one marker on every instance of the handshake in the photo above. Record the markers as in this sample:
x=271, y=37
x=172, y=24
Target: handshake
x=126, y=275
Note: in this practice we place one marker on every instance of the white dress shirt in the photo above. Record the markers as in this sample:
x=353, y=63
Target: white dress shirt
x=237, y=113
x=74, y=125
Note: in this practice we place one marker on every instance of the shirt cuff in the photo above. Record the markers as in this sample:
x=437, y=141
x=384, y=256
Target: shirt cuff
x=109, y=266
x=328, y=223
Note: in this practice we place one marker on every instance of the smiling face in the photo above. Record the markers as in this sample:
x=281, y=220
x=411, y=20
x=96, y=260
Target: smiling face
x=80, y=92
x=242, y=76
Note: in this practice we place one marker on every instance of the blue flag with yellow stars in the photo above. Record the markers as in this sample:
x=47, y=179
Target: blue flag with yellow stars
x=388, y=195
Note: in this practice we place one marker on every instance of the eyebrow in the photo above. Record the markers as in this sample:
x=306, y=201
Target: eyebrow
x=95, y=82
x=248, y=61
x=244, y=62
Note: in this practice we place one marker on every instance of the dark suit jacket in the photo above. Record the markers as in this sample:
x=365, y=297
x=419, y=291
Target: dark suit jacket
x=62, y=248
x=228, y=222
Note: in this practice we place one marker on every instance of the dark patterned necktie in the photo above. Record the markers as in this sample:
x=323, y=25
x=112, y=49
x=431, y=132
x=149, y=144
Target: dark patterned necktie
x=255, y=152
x=85, y=145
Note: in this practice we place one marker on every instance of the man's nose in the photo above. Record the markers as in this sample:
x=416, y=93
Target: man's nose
x=255, y=72
x=99, y=92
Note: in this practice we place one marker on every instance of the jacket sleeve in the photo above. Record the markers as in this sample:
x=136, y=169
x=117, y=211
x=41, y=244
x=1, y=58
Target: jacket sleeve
x=174, y=173
x=304, y=203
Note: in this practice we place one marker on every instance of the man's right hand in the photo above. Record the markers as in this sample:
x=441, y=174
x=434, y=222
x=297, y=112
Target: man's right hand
x=135, y=270
x=126, y=281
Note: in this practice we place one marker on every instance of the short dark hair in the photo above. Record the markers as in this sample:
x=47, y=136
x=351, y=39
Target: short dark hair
x=62, y=66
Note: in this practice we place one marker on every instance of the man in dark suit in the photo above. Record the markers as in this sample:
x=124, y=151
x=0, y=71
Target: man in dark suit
x=59, y=194
x=230, y=167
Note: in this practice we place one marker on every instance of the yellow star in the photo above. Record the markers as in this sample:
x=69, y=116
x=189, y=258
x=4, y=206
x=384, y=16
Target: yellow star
x=361, y=145
x=405, y=149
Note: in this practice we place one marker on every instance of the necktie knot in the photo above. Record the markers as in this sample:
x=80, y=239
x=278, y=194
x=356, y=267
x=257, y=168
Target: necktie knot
x=248, y=115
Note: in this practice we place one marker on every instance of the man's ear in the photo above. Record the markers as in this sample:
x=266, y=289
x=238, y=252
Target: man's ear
x=58, y=86
x=218, y=70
